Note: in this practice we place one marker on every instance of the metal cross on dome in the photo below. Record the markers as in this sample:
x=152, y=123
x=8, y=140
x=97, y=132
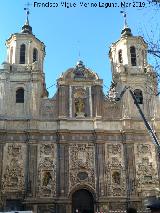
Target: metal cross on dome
x=27, y=9
x=125, y=18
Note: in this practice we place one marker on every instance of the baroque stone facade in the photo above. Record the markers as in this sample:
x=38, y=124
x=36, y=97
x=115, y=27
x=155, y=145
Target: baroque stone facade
x=81, y=149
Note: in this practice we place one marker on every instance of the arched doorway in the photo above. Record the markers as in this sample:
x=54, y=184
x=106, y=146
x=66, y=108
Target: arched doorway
x=82, y=202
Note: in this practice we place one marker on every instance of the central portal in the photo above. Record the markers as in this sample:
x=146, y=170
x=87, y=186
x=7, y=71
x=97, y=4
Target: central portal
x=82, y=202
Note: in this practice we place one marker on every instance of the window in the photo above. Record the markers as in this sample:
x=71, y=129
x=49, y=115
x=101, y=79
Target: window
x=20, y=95
x=22, y=53
x=139, y=96
x=133, y=56
x=35, y=55
x=120, y=56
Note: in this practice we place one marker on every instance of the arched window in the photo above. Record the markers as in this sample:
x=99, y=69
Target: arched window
x=133, y=56
x=120, y=56
x=20, y=95
x=139, y=96
x=35, y=55
x=22, y=54
x=11, y=54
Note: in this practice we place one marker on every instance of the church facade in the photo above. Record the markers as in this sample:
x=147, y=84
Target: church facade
x=80, y=151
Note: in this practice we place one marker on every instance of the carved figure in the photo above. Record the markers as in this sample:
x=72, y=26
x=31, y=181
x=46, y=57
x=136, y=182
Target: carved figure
x=47, y=178
x=116, y=177
x=79, y=105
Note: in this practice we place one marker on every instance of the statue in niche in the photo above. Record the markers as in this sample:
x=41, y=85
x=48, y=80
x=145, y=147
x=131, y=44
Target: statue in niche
x=79, y=105
x=46, y=179
x=116, y=177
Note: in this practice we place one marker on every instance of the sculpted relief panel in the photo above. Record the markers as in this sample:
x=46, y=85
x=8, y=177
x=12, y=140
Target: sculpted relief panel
x=114, y=170
x=82, y=165
x=13, y=167
x=46, y=170
x=146, y=168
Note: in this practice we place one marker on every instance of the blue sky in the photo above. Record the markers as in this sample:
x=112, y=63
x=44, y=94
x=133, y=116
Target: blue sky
x=68, y=31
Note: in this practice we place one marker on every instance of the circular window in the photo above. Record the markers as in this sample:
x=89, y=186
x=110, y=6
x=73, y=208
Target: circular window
x=82, y=175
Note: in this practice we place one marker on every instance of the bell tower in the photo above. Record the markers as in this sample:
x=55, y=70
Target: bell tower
x=128, y=53
x=24, y=48
x=130, y=68
x=23, y=83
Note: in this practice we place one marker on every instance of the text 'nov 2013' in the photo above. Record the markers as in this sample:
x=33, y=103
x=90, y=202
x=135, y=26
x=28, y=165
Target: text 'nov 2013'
x=65, y=4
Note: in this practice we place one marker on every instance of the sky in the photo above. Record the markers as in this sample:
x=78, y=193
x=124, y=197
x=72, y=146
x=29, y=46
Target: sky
x=78, y=32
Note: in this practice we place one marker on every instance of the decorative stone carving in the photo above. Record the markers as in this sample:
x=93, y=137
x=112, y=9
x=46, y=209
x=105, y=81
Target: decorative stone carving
x=46, y=149
x=114, y=149
x=116, y=162
x=146, y=169
x=79, y=70
x=144, y=149
x=13, y=176
x=82, y=165
x=146, y=172
x=47, y=170
x=114, y=170
x=117, y=191
x=14, y=150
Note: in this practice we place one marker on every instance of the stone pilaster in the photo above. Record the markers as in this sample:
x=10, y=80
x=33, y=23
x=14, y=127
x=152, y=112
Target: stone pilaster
x=62, y=169
x=97, y=101
x=1, y=166
x=32, y=170
x=100, y=155
x=63, y=102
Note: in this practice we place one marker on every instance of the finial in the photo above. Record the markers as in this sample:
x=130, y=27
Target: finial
x=126, y=30
x=125, y=18
x=78, y=49
x=27, y=28
x=27, y=12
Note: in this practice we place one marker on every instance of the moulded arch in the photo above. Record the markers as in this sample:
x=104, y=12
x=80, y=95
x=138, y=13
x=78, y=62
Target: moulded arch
x=20, y=95
x=35, y=54
x=120, y=56
x=83, y=186
x=133, y=56
x=138, y=95
x=83, y=200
